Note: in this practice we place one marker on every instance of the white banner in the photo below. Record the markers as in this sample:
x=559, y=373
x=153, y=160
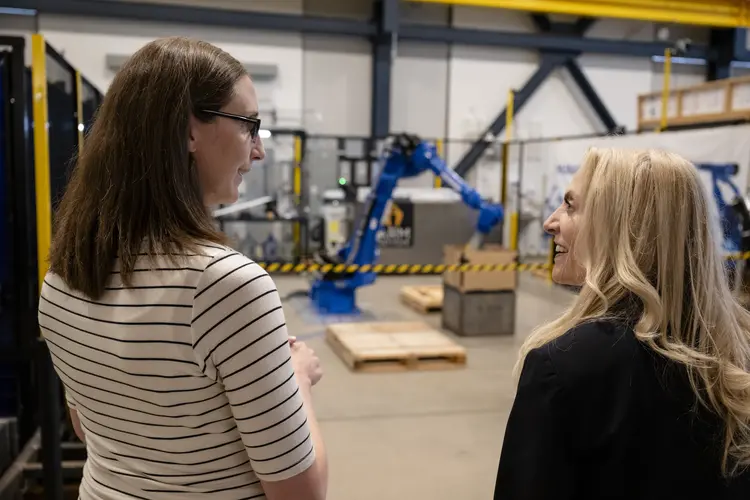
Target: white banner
x=548, y=168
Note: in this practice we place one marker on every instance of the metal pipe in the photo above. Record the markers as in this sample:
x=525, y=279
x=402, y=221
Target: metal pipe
x=719, y=13
x=509, y=118
x=41, y=153
x=516, y=221
x=11, y=480
x=79, y=110
x=240, y=207
x=665, y=89
x=297, y=190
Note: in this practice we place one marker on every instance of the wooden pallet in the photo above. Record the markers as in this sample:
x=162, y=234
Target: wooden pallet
x=423, y=298
x=395, y=346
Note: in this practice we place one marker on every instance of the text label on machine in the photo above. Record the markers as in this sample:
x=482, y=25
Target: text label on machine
x=398, y=226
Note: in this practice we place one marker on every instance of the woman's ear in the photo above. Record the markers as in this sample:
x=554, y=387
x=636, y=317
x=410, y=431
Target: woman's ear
x=193, y=134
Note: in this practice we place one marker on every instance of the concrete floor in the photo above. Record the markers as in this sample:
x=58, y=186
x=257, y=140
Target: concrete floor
x=388, y=434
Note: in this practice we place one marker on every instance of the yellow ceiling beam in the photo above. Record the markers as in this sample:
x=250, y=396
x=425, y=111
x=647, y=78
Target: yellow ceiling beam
x=719, y=13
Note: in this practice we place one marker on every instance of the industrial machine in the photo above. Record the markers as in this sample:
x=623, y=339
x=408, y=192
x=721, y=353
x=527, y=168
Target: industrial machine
x=734, y=215
x=269, y=221
x=741, y=207
x=404, y=156
x=335, y=217
x=721, y=175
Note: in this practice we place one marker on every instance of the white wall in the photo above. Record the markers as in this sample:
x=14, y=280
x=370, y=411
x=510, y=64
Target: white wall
x=481, y=76
x=324, y=83
x=87, y=42
x=337, y=85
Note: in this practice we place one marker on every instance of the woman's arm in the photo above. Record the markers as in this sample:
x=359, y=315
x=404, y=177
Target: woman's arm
x=240, y=339
x=316, y=477
x=74, y=419
x=536, y=461
x=76, y=424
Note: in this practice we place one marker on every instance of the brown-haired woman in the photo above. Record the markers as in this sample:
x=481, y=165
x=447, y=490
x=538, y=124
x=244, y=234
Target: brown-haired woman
x=172, y=347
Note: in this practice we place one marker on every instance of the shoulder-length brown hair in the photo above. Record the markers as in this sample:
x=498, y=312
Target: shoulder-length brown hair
x=135, y=187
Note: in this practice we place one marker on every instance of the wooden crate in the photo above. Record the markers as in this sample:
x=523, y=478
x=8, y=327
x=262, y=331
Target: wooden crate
x=726, y=100
x=423, y=298
x=394, y=346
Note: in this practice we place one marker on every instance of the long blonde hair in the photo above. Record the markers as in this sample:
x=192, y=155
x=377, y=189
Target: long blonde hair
x=647, y=234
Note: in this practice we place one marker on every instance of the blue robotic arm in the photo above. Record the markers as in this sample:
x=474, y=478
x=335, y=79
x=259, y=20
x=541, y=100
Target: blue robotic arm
x=734, y=213
x=722, y=174
x=406, y=156
x=490, y=214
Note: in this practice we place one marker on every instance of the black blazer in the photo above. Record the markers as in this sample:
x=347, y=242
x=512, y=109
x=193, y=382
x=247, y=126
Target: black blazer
x=598, y=415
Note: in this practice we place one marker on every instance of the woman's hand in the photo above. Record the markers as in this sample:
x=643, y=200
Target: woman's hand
x=306, y=363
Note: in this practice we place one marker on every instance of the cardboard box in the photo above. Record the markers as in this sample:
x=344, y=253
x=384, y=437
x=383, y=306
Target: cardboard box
x=480, y=280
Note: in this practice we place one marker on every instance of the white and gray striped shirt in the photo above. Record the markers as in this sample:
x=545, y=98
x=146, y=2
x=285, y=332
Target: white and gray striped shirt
x=183, y=381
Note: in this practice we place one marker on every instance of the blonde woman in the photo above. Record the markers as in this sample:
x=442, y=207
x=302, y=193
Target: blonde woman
x=641, y=390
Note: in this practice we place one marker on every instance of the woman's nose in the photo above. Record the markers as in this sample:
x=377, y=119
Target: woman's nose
x=552, y=224
x=259, y=152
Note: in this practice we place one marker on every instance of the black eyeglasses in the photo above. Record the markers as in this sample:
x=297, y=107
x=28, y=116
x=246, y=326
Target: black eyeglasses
x=253, y=124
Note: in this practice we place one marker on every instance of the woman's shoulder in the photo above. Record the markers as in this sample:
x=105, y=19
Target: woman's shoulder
x=595, y=349
x=210, y=254
x=225, y=266
x=211, y=249
x=599, y=335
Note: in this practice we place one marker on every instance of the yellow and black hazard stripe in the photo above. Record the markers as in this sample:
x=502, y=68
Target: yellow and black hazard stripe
x=398, y=268
x=414, y=269
x=739, y=256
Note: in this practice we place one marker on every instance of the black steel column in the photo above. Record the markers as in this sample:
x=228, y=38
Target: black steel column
x=721, y=52
x=383, y=53
x=591, y=95
x=22, y=228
